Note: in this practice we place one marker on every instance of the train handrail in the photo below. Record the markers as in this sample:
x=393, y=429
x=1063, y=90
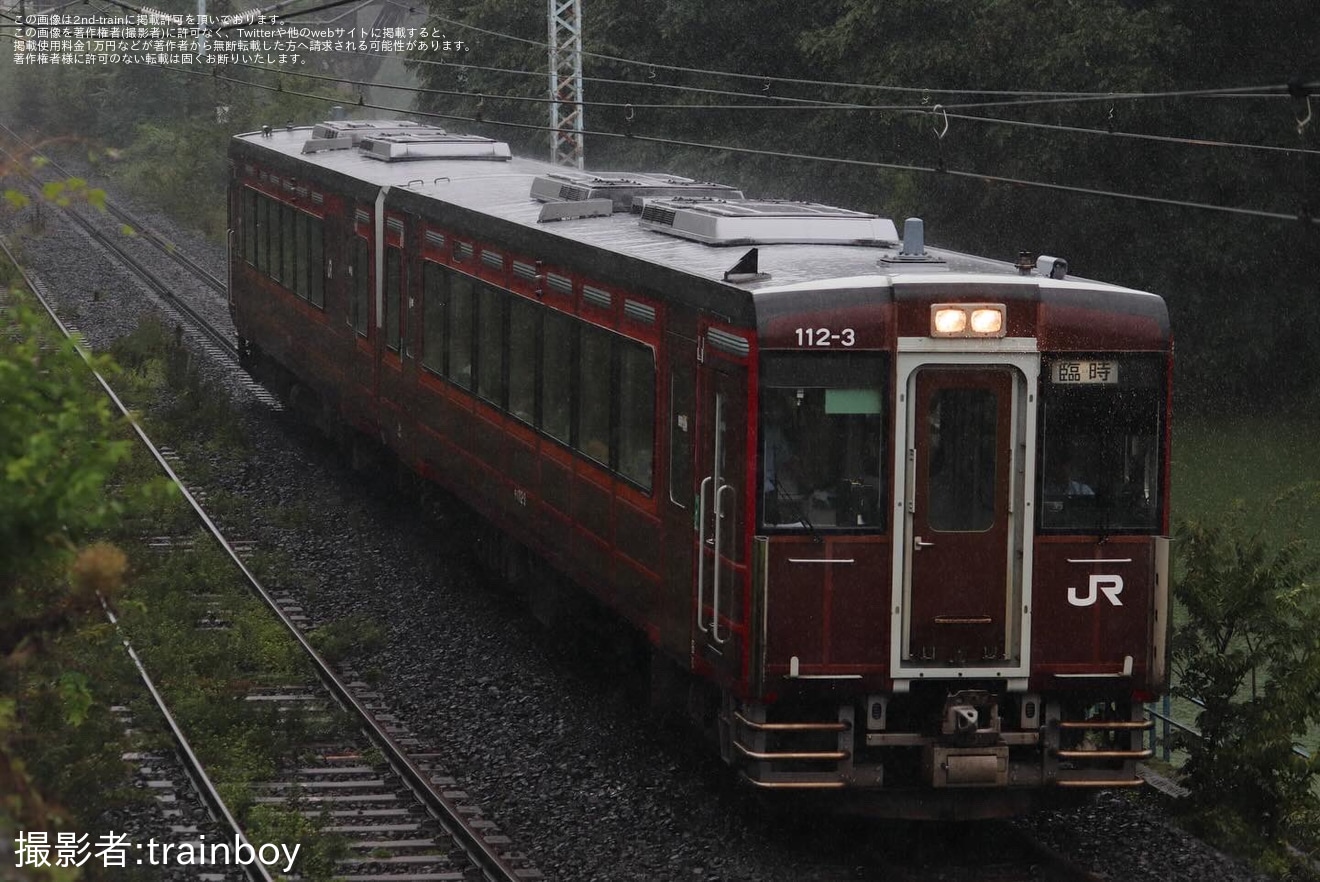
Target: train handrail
x=701, y=549
x=715, y=592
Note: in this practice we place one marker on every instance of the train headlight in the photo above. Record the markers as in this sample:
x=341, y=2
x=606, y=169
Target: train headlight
x=948, y=322
x=989, y=322
x=967, y=320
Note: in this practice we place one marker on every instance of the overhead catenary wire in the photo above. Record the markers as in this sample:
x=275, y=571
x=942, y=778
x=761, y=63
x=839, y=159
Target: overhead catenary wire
x=1021, y=97
x=843, y=160
x=1035, y=96
x=1304, y=217
x=809, y=104
x=823, y=106
x=794, y=105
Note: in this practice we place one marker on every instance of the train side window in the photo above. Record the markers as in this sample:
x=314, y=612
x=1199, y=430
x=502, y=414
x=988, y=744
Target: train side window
x=261, y=228
x=524, y=336
x=636, y=413
x=250, y=225
x=271, y=216
x=277, y=219
x=433, y=316
x=681, y=390
x=490, y=344
x=288, y=254
x=557, y=375
x=300, y=254
x=459, y=330
x=390, y=298
x=594, y=398
x=316, y=262
x=360, y=306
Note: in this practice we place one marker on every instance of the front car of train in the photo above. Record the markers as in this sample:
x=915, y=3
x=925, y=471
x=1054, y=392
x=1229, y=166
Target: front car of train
x=957, y=575
x=897, y=515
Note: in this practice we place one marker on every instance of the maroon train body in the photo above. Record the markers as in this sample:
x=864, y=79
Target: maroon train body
x=899, y=513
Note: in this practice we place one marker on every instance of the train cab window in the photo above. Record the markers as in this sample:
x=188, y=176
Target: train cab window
x=636, y=413
x=360, y=305
x=433, y=316
x=557, y=337
x=316, y=262
x=593, y=388
x=390, y=299
x=822, y=441
x=524, y=335
x=1100, y=428
x=490, y=344
x=459, y=330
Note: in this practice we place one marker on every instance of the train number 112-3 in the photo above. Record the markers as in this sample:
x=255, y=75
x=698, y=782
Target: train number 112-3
x=816, y=337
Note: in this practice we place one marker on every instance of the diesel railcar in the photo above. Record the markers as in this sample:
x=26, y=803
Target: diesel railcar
x=898, y=514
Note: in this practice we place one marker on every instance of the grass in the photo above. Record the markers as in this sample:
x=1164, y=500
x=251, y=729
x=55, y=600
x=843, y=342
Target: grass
x=1217, y=463
x=1224, y=462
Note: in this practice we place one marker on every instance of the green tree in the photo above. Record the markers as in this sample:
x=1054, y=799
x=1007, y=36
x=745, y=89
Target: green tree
x=56, y=451
x=1249, y=651
x=1229, y=280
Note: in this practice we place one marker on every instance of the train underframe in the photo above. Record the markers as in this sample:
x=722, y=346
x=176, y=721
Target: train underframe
x=941, y=751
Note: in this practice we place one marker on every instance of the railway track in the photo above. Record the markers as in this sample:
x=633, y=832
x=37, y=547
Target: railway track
x=400, y=811
x=396, y=812
x=140, y=228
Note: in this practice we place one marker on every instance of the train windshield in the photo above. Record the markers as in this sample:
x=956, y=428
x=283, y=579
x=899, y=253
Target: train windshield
x=1100, y=423
x=821, y=441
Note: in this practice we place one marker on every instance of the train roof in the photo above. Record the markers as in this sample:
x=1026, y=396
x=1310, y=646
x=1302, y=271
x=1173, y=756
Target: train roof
x=696, y=228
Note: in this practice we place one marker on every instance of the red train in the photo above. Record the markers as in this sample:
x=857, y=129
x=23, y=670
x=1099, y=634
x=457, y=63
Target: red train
x=899, y=514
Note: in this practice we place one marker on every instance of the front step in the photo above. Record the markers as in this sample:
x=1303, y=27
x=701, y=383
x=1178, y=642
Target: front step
x=1095, y=767
x=791, y=754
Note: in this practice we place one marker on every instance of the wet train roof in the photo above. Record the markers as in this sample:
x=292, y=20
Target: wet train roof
x=502, y=188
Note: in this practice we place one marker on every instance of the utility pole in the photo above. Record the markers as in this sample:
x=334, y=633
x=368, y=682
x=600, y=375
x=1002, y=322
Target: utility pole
x=566, y=82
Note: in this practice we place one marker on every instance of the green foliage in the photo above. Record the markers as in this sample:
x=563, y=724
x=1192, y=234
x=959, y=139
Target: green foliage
x=183, y=402
x=319, y=853
x=1249, y=650
x=180, y=165
x=55, y=446
x=75, y=694
x=1237, y=350
x=58, y=445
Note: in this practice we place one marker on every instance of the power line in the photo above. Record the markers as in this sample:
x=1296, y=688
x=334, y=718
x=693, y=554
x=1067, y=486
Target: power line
x=1030, y=96
x=826, y=106
x=861, y=163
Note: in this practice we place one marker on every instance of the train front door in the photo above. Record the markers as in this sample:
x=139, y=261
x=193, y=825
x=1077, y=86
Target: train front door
x=963, y=540
x=721, y=515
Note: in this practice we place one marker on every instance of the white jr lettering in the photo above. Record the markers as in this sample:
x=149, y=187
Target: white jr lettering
x=1109, y=586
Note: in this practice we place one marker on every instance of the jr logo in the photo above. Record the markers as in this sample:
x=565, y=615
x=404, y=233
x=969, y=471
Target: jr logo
x=1110, y=586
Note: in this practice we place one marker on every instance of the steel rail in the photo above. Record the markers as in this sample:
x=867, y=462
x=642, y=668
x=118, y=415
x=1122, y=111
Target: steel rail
x=493, y=866
x=158, y=287
x=165, y=246
x=215, y=804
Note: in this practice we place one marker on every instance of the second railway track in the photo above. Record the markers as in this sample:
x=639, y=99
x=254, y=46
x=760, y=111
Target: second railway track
x=447, y=835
